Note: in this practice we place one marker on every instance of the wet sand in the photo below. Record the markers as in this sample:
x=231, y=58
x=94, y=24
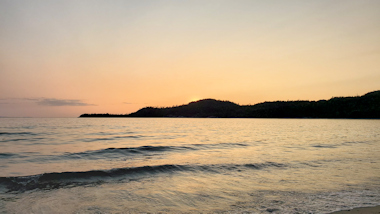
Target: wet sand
x=363, y=210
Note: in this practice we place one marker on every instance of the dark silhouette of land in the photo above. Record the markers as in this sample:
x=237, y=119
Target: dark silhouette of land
x=366, y=106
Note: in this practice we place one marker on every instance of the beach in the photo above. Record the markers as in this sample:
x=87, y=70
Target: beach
x=362, y=210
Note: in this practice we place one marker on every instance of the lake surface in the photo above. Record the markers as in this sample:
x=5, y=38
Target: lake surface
x=185, y=165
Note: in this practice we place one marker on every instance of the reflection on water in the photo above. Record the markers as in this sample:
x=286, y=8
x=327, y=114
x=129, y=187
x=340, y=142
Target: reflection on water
x=90, y=165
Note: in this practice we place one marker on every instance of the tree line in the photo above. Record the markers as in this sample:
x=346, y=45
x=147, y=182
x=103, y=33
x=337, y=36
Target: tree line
x=366, y=106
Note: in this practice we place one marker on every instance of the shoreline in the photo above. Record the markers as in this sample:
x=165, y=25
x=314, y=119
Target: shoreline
x=360, y=210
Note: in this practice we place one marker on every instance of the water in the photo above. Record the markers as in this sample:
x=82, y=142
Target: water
x=183, y=165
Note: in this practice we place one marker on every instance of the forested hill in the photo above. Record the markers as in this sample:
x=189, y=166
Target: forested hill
x=366, y=106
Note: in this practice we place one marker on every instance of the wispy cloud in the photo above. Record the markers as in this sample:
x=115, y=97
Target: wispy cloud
x=61, y=102
x=6, y=101
x=44, y=101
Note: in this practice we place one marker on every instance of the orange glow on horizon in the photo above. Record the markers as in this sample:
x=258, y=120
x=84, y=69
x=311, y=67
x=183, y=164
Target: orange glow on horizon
x=122, y=56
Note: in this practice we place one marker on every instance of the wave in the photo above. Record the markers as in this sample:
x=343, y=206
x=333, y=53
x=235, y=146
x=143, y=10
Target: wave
x=220, y=145
x=23, y=139
x=123, y=133
x=17, y=133
x=9, y=155
x=142, y=150
x=56, y=180
x=104, y=153
x=325, y=146
x=333, y=146
x=112, y=138
x=348, y=143
x=108, y=153
x=112, y=153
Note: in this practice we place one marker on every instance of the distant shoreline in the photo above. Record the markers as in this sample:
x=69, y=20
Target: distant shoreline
x=359, y=107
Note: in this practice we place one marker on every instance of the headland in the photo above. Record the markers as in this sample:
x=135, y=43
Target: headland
x=364, y=107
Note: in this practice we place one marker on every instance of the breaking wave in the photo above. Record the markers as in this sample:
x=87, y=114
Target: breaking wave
x=67, y=179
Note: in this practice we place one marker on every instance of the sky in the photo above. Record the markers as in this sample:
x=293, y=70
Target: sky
x=65, y=58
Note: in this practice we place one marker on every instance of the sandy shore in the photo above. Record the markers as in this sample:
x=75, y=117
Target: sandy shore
x=364, y=210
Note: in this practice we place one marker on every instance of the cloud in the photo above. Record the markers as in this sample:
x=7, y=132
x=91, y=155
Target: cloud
x=44, y=102
x=31, y=99
x=127, y=103
x=6, y=101
x=61, y=102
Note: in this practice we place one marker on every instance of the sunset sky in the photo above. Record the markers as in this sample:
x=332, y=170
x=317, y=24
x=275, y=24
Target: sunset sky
x=65, y=58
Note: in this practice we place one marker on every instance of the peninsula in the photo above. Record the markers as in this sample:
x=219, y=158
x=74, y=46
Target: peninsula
x=366, y=106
